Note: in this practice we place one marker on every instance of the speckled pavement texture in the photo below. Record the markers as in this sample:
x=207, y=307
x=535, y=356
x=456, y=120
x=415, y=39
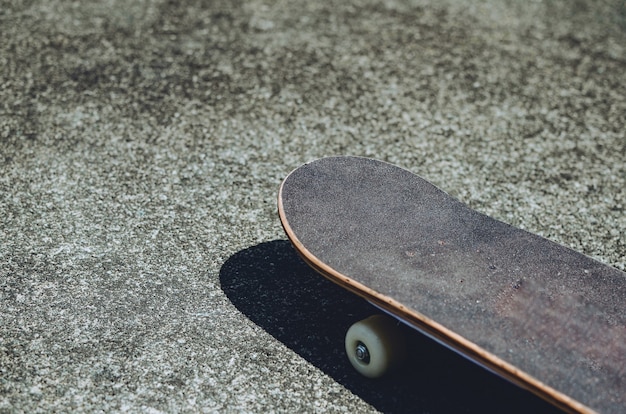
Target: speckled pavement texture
x=142, y=263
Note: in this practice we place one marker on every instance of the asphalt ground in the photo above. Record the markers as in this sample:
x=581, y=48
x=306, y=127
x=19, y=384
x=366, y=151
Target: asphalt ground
x=142, y=264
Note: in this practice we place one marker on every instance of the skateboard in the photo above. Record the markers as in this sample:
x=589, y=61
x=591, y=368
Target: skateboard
x=535, y=312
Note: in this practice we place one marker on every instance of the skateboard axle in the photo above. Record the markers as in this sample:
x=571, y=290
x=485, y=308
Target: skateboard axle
x=362, y=354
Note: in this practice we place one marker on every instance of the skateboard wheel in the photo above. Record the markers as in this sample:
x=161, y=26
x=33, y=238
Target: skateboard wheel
x=375, y=345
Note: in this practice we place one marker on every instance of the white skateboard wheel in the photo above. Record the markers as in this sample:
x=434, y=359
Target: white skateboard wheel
x=375, y=345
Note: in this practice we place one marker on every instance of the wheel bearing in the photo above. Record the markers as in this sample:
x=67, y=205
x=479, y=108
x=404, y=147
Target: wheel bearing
x=362, y=353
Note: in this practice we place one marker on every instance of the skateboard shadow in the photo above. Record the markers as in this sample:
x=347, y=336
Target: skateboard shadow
x=273, y=287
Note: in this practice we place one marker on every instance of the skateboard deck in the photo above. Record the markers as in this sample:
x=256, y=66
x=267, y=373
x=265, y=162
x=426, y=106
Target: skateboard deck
x=544, y=316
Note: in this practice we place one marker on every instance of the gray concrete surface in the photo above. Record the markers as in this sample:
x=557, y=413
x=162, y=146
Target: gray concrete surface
x=142, y=264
